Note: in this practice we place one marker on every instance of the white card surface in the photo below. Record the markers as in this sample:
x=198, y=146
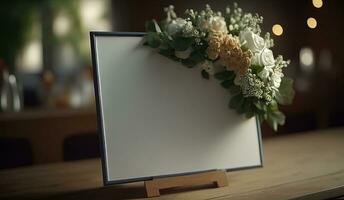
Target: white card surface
x=160, y=118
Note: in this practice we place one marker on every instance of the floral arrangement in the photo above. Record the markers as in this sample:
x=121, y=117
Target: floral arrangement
x=229, y=48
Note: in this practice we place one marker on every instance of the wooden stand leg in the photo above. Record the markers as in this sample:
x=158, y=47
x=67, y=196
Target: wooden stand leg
x=153, y=187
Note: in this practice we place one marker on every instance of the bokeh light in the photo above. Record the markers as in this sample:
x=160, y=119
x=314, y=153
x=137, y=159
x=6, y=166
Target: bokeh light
x=317, y=3
x=277, y=29
x=311, y=22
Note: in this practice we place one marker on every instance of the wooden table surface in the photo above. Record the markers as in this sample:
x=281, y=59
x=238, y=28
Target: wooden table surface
x=297, y=166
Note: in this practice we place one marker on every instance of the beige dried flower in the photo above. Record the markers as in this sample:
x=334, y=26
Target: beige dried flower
x=232, y=56
x=215, y=40
x=228, y=50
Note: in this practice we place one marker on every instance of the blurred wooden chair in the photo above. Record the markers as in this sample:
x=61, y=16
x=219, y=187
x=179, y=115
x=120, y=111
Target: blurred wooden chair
x=81, y=146
x=15, y=152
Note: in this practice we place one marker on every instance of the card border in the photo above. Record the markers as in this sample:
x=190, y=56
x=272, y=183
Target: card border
x=100, y=128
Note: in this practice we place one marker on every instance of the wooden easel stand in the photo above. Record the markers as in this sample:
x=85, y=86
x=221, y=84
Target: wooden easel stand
x=153, y=187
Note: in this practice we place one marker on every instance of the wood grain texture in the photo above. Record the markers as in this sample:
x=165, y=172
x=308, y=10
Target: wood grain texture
x=300, y=166
x=218, y=178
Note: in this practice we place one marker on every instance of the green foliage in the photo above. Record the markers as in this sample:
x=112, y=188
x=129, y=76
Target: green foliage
x=166, y=52
x=275, y=118
x=181, y=43
x=188, y=63
x=252, y=106
x=286, y=93
x=225, y=75
x=270, y=113
x=152, y=26
x=256, y=68
x=236, y=101
x=250, y=111
x=234, y=89
x=153, y=39
x=226, y=84
x=205, y=74
x=197, y=56
x=226, y=79
x=149, y=26
x=166, y=42
x=242, y=105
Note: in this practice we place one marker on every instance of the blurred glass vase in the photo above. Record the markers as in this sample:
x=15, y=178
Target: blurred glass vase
x=10, y=99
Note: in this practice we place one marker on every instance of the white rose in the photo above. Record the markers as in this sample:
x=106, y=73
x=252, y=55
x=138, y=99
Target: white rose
x=263, y=58
x=208, y=67
x=252, y=41
x=214, y=24
x=175, y=26
x=183, y=54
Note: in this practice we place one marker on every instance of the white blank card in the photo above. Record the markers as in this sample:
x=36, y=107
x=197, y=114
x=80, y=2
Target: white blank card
x=159, y=118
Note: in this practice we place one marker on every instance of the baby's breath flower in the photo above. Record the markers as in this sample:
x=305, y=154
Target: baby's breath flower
x=190, y=13
x=198, y=41
x=280, y=63
x=240, y=21
x=251, y=85
x=228, y=10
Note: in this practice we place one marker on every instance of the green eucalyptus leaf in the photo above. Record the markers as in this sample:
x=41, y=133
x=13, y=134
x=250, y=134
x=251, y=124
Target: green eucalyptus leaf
x=156, y=26
x=273, y=106
x=153, y=39
x=256, y=68
x=236, y=101
x=166, y=40
x=227, y=84
x=286, y=93
x=278, y=116
x=149, y=26
x=188, y=62
x=205, y=74
x=249, y=114
x=234, y=89
x=166, y=52
x=181, y=43
x=243, y=108
x=152, y=26
x=197, y=56
x=261, y=107
x=273, y=124
x=225, y=75
x=246, y=108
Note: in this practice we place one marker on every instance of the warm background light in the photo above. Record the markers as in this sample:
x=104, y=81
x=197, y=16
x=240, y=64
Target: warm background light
x=317, y=3
x=306, y=58
x=311, y=22
x=277, y=29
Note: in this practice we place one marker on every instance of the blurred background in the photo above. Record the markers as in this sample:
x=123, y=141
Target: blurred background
x=47, y=111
